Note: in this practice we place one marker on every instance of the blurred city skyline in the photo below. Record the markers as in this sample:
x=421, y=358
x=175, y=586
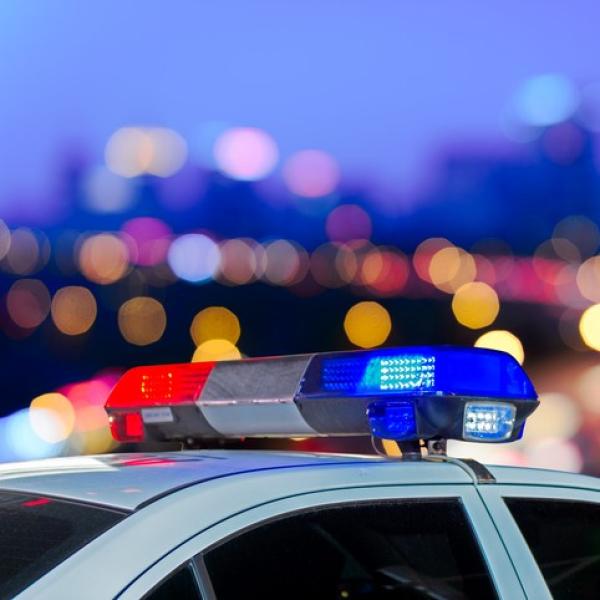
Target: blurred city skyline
x=383, y=88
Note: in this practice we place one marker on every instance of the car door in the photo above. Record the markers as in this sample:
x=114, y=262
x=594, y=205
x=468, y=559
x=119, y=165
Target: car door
x=552, y=534
x=421, y=541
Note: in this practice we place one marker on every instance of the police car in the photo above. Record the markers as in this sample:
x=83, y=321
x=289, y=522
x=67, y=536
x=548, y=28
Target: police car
x=255, y=524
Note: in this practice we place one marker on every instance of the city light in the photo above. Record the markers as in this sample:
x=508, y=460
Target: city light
x=506, y=341
x=28, y=303
x=73, y=310
x=246, y=153
x=134, y=151
x=348, y=222
x=589, y=327
x=142, y=320
x=475, y=305
x=367, y=324
x=311, y=173
x=103, y=258
x=215, y=322
x=194, y=257
x=216, y=350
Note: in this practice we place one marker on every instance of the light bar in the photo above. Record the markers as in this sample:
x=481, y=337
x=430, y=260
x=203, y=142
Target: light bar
x=402, y=394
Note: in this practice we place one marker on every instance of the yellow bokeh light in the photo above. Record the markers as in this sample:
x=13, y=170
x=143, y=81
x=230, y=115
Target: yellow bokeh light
x=96, y=441
x=451, y=268
x=52, y=417
x=589, y=327
x=73, y=310
x=500, y=339
x=475, y=305
x=142, y=320
x=216, y=350
x=103, y=258
x=215, y=322
x=367, y=324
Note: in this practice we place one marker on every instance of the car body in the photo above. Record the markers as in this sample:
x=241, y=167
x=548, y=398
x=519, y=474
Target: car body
x=174, y=510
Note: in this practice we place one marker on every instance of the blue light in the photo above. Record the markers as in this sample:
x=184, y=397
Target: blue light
x=444, y=371
x=488, y=421
x=392, y=420
x=393, y=373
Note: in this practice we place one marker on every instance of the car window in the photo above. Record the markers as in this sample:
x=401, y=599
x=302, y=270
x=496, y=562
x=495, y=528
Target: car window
x=414, y=549
x=38, y=533
x=564, y=537
x=180, y=585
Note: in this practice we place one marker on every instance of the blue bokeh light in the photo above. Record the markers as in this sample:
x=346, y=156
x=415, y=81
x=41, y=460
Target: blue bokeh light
x=194, y=257
x=546, y=100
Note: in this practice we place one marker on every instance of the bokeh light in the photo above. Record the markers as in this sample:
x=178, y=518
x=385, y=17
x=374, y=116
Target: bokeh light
x=216, y=350
x=194, y=257
x=52, y=417
x=142, y=320
x=580, y=231
x=450, y=268
x=311, y=173
x=239, y=261
x=106, y=192
x=348, y=222
x=28, y=252
x=28, y=303
x=103, y=258
x=133, y=151
x=148, y=240
x=73, y=310
x=215, y=322
x=333, y=265
x=589, y=327
x=4, y=239
x=557, y=454
x=286, y=263
x=588, y=388
x=19, y=441
x=384, y=271
x=500, y=339
x=245, y=153
x=368, y=324
x=423, y=254
x=475, y=305
x=556, y=417
x=588, y=279
x=546, y=99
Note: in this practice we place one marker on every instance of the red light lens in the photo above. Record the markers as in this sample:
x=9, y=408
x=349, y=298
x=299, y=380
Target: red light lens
x=127, y=427
x=161, y=385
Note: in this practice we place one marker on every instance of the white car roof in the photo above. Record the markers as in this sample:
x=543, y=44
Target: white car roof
x=129, y=481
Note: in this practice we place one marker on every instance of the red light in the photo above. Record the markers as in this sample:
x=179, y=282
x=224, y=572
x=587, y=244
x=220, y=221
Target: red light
x=127, y=427
x=147, y=462
x=161, y=385
x=36, y=502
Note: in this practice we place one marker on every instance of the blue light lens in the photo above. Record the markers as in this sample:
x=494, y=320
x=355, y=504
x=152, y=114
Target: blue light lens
x=471, y=372
x=392, y=420
x=488, y=421
x=393, y=373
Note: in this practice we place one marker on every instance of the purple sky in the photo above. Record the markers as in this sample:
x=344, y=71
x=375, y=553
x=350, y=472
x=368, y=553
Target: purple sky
x=378, y=84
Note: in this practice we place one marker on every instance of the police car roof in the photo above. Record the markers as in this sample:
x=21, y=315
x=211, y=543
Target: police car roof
x=129, y=481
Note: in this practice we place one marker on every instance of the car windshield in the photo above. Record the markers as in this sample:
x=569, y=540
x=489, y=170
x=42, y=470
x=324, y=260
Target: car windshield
x=37, y=533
